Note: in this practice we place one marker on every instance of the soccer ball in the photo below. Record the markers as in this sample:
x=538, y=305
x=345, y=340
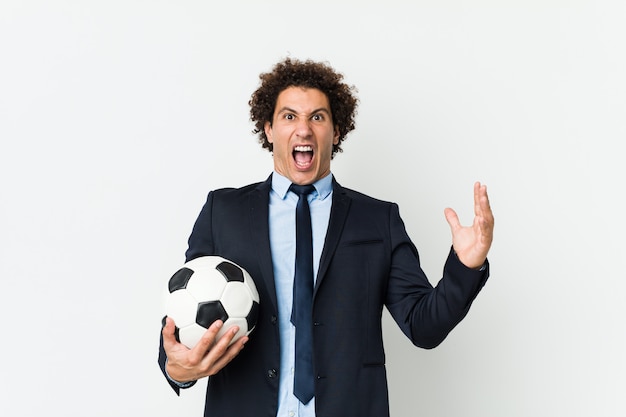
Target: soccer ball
x=209, y=288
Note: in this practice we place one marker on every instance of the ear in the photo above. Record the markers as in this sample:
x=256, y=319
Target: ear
x=268, y=131
x=336, y=137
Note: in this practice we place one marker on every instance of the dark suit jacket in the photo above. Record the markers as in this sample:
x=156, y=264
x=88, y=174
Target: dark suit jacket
x=368, y=261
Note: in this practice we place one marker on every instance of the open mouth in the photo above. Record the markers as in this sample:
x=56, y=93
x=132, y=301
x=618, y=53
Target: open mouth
x=303, y=156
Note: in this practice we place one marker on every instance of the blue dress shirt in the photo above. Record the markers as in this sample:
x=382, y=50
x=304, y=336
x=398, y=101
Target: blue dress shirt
x=282, y=222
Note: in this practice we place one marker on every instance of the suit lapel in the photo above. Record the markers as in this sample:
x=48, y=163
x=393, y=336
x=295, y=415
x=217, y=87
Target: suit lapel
x=260, y=232
x=338, y=214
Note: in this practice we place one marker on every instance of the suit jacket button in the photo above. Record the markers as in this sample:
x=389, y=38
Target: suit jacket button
x=274, y=319
x=271, y=373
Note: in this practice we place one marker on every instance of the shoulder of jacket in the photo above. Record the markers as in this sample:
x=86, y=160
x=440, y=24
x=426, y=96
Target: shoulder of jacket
x=358, y=196
x=237, y=190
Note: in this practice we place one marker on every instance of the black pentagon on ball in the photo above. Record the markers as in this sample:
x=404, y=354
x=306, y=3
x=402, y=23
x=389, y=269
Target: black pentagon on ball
x=230, y=271
x=253, y=315
x=180, y=279
x=210, y=311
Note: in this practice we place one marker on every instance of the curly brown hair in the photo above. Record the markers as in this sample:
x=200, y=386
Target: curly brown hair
x=308, y=74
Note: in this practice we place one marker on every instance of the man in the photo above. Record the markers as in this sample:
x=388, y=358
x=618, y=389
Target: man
x=362, y=260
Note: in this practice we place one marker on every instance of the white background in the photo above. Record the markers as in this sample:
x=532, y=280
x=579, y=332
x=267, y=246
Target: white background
x=117, y=117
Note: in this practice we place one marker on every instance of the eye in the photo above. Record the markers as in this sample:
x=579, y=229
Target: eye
x=289, y=116
x=318, y=117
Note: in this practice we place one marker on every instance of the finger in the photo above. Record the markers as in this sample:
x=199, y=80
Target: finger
x=481, y=201
x=206, y=341
x=169, y=339
x=479, y=190
x=485, y=206
x=225, y=352
x=452, y=218
x=220, y=346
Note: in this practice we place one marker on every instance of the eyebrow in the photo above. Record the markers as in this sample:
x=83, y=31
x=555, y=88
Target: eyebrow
x=289, y=109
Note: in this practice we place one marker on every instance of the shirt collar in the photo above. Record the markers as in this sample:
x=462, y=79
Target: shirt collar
x=323, y=186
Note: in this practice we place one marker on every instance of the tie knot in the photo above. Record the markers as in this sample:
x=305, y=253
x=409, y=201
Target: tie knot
x=302, y=189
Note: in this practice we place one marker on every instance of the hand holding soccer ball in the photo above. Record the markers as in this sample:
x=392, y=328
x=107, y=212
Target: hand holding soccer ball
x=212, y=307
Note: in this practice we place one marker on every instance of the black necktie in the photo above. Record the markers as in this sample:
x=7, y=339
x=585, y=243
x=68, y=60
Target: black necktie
x=302, y=309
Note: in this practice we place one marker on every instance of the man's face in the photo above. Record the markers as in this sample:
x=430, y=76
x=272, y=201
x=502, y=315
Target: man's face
x=302, y=135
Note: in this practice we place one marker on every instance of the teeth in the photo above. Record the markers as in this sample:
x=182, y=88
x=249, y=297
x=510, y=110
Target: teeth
x=303, y=148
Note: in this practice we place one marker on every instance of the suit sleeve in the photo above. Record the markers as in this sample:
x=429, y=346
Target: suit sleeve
x=201, y=238
x=425, y=314
x=200, y=243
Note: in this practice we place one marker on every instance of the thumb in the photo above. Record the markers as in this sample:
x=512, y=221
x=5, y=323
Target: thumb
x=168, y=332
x=452, y=218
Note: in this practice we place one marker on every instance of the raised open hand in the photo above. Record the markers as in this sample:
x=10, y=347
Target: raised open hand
x=472, y=243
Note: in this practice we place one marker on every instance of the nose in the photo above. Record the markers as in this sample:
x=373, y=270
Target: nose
x=303, y=128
